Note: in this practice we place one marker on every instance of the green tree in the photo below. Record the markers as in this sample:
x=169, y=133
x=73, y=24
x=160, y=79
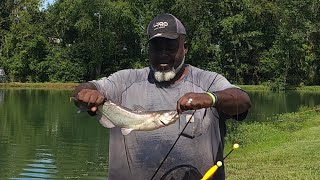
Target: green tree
x=25, y=45
x=102, y=34
x=6, y=7
x=250, y=42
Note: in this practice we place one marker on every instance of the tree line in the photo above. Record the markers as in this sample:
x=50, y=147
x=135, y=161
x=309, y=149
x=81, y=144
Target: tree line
x=274, y=43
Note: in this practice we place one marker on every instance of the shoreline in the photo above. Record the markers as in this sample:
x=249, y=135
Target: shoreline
x=267, y=88
x=58, y=86
x=68, y=86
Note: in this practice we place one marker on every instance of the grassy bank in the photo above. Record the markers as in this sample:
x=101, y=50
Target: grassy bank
x=39, y=85
x=267, y=88
x=254, y=87
x=285, y=147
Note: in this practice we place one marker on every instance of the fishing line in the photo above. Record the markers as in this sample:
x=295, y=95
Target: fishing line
x=214, y=168
x=237, y=76
x=180, y=134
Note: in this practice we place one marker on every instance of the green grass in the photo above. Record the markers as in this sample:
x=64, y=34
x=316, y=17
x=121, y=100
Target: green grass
x=285, y=147
x=309, y=88
x=254, y=87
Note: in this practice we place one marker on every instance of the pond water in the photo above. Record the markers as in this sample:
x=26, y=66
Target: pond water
x=42, y=136
x=267, y=104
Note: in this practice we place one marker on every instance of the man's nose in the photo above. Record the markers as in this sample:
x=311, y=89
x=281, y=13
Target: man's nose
x=163, y=51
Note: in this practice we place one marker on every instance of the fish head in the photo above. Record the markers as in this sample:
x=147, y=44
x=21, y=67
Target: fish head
x=167, y=118
x=82, y=107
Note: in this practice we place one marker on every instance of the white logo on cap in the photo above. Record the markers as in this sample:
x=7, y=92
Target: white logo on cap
x=158, y=25
x=158, y=34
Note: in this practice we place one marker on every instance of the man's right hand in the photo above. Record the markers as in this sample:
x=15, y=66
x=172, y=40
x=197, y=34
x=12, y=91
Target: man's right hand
x=92, y=98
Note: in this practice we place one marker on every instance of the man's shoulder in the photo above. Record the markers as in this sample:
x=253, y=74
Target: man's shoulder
x=209, y=80
x=141, y=70
x=199, y=71
x=132, y=75
x=200, y=74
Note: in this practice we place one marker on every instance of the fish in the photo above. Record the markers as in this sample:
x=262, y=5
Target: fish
x=112, y=115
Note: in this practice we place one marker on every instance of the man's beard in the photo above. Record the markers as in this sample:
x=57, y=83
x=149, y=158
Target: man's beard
x=167, y=75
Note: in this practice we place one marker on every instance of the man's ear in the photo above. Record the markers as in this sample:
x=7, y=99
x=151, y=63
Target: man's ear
x=185, y=47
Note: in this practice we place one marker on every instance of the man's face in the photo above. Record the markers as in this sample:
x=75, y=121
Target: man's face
x=166, y=57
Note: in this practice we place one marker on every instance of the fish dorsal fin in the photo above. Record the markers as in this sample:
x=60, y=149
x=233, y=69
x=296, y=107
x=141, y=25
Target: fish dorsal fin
x=138, y=108
x=125, y=131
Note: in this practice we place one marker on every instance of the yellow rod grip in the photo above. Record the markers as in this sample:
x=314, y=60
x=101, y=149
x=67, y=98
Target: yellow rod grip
x=211, y=171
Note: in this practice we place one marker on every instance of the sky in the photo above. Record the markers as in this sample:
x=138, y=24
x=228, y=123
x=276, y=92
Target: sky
x=48, y=1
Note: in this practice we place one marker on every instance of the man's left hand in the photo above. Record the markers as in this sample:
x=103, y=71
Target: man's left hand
x=193, y=101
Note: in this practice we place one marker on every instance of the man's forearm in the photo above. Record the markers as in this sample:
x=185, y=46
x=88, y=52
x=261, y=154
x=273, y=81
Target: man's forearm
x=233, y=101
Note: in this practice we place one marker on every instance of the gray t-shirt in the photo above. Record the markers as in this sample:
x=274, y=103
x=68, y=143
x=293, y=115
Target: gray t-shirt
x=137, y=155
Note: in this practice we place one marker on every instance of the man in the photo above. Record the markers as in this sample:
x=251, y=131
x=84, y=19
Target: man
x=168, y=84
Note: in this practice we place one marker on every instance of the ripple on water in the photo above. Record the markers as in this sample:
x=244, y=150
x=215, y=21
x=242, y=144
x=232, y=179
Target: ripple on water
x=43, y=166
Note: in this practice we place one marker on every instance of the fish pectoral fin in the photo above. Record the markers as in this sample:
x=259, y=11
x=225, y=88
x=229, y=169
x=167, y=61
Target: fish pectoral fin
x=125, y=131
x=105, y=122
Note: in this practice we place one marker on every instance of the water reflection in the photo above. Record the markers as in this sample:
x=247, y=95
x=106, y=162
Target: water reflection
x=1, y=96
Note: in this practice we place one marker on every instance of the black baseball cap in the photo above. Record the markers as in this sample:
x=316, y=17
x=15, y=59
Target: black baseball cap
x=165, y=25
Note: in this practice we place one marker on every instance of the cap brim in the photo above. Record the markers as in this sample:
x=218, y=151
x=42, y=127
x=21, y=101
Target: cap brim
x=165, y=35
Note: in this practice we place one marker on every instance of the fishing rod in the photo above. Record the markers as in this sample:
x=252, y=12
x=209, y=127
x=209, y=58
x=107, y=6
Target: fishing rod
x=175, y=142
x=180, y=134
x=183, y=134
x=214, y=168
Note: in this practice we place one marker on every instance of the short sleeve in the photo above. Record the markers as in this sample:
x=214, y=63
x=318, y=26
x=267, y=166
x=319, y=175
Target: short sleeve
x=113, y=86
